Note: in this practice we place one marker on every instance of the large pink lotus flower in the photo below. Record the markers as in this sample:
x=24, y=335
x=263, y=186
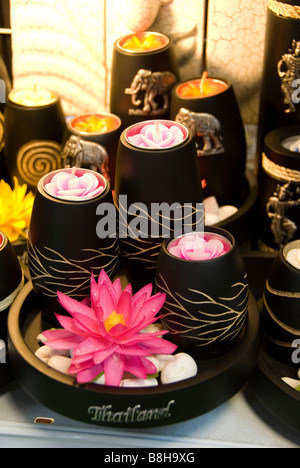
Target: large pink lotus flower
x=104, y=332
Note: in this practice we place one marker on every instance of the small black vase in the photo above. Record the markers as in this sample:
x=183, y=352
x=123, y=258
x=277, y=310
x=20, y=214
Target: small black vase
x=64, y=246
x=141, y=81
x=217, y=126
x=148, y=182
x=206, y=305
x=33, y=136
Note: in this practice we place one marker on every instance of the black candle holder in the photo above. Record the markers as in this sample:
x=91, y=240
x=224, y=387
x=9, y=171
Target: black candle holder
x=101, y=158
x=206, y=303
x=33, y=136
x=141, y=80
x=217, y=126
x=147, y=181
x=279, y=188
x=279, y=101
x=64, y=248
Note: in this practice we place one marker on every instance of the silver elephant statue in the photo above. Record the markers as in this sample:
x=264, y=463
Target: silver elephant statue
x=206, y=129
x=153, y=85
x=85, y=154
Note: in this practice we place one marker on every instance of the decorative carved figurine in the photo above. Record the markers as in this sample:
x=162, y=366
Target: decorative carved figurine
x=289, y=71
x=207, y=131
x=147, y=87
x=279, y=204
x=85, y=154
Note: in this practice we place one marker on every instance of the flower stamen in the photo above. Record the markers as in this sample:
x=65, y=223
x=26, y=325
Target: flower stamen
x=112, y=320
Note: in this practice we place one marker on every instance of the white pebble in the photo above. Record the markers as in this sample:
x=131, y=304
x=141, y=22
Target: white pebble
x=100, y=380
x=156, y=362
x=60, y=363
x=211, y=219
x=44, y=353
x=227, y=211
x=139, y=383
x=181, y=368
x=153, y=328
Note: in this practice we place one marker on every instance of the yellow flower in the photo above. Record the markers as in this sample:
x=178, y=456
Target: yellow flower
x=15, y=210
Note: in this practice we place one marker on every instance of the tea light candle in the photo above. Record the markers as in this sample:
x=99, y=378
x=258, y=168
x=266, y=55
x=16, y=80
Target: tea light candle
x=293, y=257
x=201, y=88
x=74, y=185
x=143, y=42
x=157, y=134
x=199, y=246
x=95, y=123
x=32, y=97
x=1, y=240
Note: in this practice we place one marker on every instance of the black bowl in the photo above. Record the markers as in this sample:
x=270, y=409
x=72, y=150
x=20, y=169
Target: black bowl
x=216, y=382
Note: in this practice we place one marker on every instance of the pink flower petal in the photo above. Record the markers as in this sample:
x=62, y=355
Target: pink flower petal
x=113, y=369
x=73, y=306
x=135, y=366
x=89, y=374
x=100, y=356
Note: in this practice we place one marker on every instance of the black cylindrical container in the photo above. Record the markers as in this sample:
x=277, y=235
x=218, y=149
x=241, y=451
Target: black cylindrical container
x=279, y=188
x=64, y=246
x=217, y=126
x=33, y=136
x=141, y=80
x=280, y=90
x=148, y=182
x=206, y=303
x=11, y=283
x=101, y=159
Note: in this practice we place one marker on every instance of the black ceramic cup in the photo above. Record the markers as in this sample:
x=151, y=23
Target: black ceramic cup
x=281, y=303
x=217, y=126
x=142, y=79
x=65, y=245
x=206, y=305
x=11, y=283
x=157, y=191
x=279, y=187
x=34, y=130
x=104, y=129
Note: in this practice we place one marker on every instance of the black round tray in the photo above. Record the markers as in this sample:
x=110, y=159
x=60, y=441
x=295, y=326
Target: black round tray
x=217, y=381
x=277, y=396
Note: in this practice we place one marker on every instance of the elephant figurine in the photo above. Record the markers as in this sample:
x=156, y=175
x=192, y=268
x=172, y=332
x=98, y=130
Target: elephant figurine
x=85, y=154
x=153, y=85
x=205, y=127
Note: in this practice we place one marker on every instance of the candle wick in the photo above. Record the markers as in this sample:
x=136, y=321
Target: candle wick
x=202, y=82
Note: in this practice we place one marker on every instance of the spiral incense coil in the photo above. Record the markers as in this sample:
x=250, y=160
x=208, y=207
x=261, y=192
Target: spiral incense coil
x=279, y=172
x=284, y=9
x=37, y=158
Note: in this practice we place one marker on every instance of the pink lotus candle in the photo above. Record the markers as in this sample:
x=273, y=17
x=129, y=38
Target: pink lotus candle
x=75, y=184
x=157, y=134
x=199, y=246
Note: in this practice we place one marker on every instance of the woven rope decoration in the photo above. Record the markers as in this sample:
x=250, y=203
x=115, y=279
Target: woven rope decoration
x=284, y=9
x=280, y=172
